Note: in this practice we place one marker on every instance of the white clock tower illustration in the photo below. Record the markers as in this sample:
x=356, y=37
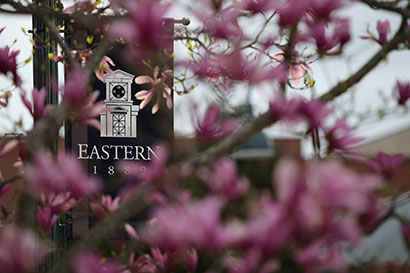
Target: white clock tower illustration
x=121, y=121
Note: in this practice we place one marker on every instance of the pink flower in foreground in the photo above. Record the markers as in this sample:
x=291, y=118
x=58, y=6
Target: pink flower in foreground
x=37, y=109
x=82, y=106
x=45, y=218
x=20, y=252
x=402, y=92
x=158, y=89
x=292, y=12
x=387, y=166
x=210, y=127
x=179, y=226
x=258, y=6
x=191, y=260
x=8, y=147
x=224, y=25
x=145, y=25
x=339, y=137
x=142, y=264
x=104, y=67
x=281, y=108
x=224, y=180
x=47, y=176
x=90, y=262
x=8, y=63
x=297, y=67
x=383, y=28
x=324, y=8
x=313, y=113
x=104, y=205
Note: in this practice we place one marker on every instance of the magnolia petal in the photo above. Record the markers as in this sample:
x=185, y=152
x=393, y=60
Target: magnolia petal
x=143, y=79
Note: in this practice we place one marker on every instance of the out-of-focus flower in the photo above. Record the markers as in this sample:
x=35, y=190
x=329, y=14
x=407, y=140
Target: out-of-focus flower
x=297, y=68
x=104, y=205
x=323, y=9
x=179, y=226
x=141, y=265
x=161, y=258
x=4, y=188
x=20, y=252
x=45, y=218
x=324, y=203
x=58, y=202
x=90, y=262
x=37, y=109
x=210, y=127
x=405, y=231
x=312, y=112
x=76, y=87
x=383, y=28
x=8, y=63
x=223, y=25
x=224, y=180
x=8, y=147
x=258, y=6
x=104, y=67
x=402, y=92
x=46, y=176
x=387, y=166
x=144, y=26
x=339, y=137
x=292, y=12
x=281, y=108
x=159, y=88
x=131, y=231
x=83, y=108
x=191, y=259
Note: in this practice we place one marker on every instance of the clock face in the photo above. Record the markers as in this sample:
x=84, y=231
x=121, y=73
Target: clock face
x=118, y=91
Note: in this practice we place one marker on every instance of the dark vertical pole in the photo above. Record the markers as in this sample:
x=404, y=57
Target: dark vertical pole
x=45, y=73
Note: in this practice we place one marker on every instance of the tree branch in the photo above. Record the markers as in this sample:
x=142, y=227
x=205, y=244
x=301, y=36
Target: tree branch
x=402, y=35
x=103, y=230
x=385, y=6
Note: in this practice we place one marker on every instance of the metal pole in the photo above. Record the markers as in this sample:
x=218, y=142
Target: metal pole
x=45, y=73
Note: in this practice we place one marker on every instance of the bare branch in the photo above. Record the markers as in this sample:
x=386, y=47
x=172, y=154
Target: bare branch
x=402, y=35
x=385, y=6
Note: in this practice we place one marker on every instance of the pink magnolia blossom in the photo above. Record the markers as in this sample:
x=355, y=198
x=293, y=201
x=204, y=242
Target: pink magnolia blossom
x=47, y=176
x=161, y=258
x=131, y=231
x=85, y=5
x=224, y=180
x=90, y=262
x=210, y=127
x=402, y=92
x=59, y=202
x=158, y=89
x=4, y=188
x=142, y=264
x=313, y=113
x=323, y=9
x=340, y=138
x=383, y=28
x=258, y=6
x=20, y=251
x=297, y=68
x=179, y=226
x=37, y=109
x=191, y=259
x=82, y=106
x=45, y=218
x=104, y=67
x=144, y=26
x=8, y=63
x=292, y=12
x=387, y=166
x=8, y=147
x=104, y=205
x=281, y=108
x=223, y=25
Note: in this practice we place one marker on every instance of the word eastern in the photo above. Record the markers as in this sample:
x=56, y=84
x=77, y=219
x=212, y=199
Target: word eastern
x=117, y=152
